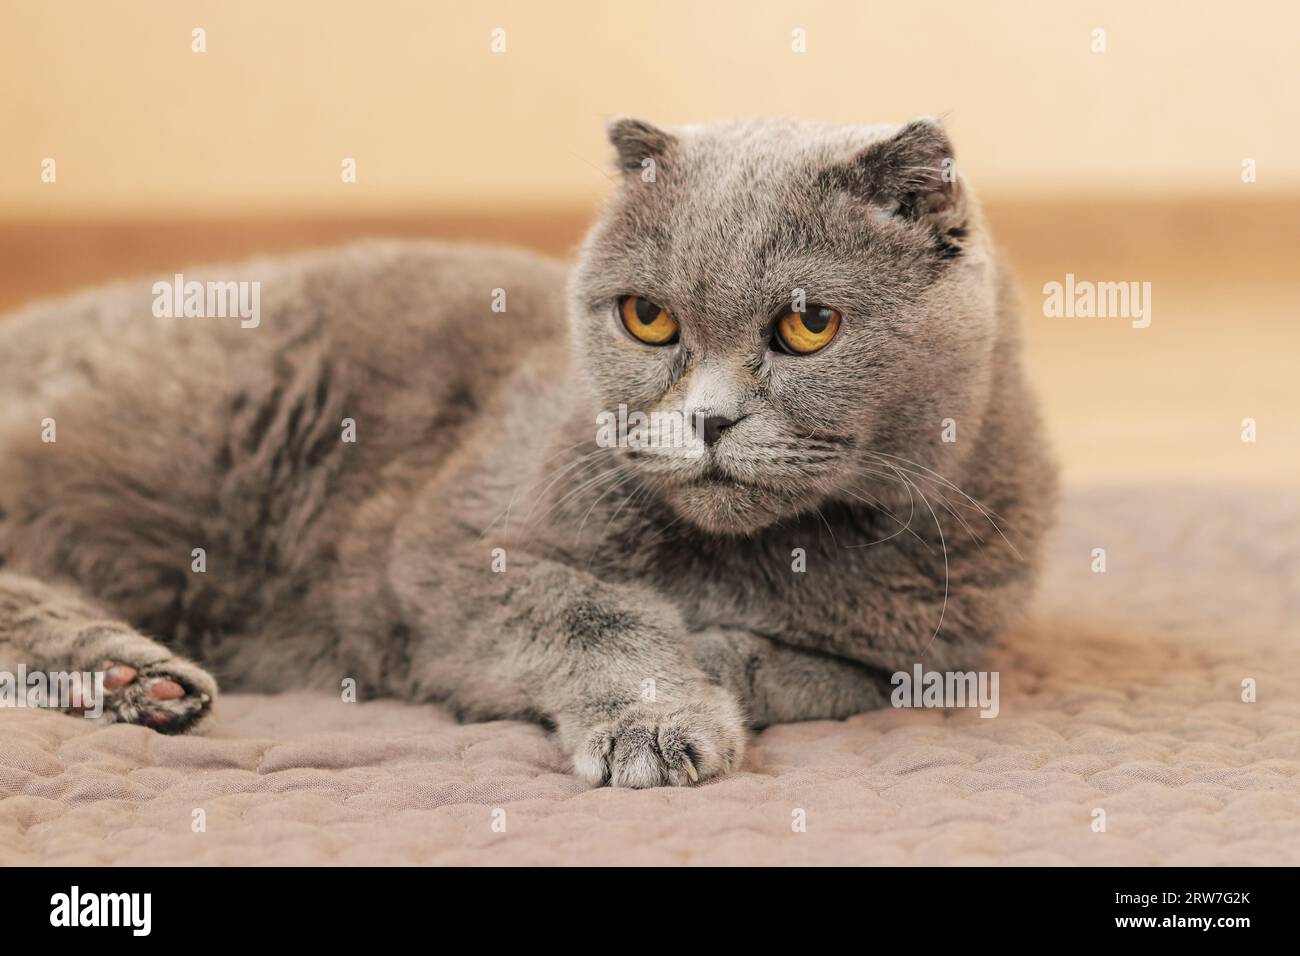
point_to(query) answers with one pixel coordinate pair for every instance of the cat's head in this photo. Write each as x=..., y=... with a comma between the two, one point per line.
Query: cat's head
x=803, y=298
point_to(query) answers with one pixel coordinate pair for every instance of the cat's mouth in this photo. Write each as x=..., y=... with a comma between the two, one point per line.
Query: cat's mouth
x=728, y=494
x=709, y=473
x=713, y=476
x=718, y=501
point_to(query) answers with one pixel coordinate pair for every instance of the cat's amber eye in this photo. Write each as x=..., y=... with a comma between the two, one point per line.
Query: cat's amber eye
x=802, y=333
x=647, y=322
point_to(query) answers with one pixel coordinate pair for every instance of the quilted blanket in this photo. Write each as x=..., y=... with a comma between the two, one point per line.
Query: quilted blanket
x=1149, y=714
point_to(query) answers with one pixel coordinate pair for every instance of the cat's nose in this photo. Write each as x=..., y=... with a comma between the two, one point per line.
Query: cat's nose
x=713, y=426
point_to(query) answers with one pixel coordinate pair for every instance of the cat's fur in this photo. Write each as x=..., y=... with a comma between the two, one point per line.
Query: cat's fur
x=650, y=605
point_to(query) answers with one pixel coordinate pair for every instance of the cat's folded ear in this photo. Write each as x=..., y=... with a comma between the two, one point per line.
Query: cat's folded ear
x=635, y=141
x=912, y=174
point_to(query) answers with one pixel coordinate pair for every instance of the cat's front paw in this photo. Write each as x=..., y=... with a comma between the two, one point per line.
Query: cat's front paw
x=655, y=745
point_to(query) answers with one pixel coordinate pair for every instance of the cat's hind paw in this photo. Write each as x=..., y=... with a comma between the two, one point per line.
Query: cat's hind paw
x=171, y=696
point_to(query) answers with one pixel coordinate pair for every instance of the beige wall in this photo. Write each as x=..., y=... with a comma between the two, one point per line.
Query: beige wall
x=140, y=125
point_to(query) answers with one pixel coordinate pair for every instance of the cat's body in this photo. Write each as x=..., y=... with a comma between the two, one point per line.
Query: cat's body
x=474, y=543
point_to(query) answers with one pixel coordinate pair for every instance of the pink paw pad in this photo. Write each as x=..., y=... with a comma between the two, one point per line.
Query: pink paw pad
x=117, y=676
x=164, y=689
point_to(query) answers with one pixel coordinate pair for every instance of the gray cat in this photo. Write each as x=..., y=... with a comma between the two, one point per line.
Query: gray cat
x=404, y=471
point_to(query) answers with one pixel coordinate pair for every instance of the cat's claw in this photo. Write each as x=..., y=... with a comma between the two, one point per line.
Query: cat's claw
x=654, y=745
x=690, y=770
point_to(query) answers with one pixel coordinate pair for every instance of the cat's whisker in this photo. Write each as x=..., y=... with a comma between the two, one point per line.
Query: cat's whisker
x=582, y=466
x=663, y=530
x=520, y=486
x=582, y=460
x=828, y=527
x=921, y=471
x=583, y=486
x=627, y=475
x=628, y=498
x=943, y=610
x=879, y=505
x=946, y=502
x=640, y=490
x=947, y=505
x=932, y=475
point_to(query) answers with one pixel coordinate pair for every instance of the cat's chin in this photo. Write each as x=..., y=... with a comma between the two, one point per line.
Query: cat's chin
x=722, y=506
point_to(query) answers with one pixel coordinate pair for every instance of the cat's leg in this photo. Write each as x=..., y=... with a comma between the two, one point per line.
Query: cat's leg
x=54, y=630
x=605, y=664
x=777, y=683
